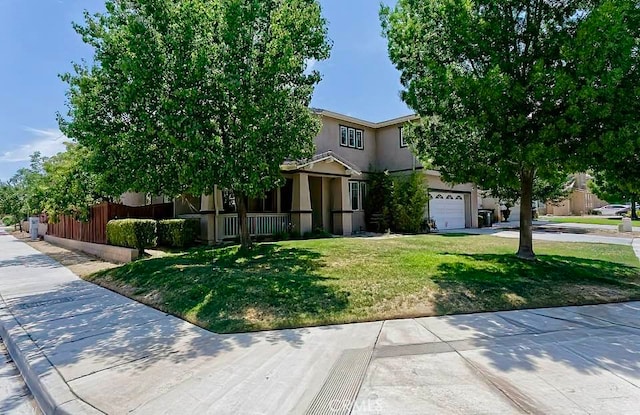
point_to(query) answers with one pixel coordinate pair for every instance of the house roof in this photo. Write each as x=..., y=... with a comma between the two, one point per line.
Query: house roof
x=374, y=125
x=328, y=157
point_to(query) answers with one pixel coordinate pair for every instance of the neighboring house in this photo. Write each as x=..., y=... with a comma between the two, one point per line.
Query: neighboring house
x=497, y=207
x=328, y=190
x=581, y=200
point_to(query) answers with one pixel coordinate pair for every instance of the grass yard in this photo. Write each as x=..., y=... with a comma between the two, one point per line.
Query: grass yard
x=326, y=281
x=591, y=220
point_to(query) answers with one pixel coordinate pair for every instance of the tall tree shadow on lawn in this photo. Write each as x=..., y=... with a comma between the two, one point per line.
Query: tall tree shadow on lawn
x=490, y=282
x=227, y=291
x=584, y=339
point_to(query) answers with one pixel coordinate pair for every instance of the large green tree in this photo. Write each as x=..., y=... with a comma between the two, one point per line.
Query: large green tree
x=182, y=96
x=69, y=187
x=619, y=185
x=23, y=194
x=510, y=91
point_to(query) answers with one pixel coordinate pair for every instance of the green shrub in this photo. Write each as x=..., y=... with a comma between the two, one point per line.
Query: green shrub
x=132, y=233
x=281, y=236
x=317, y=233
x=397, y=203
x=178, y=233
x=378, y=202
x=409, y=203
x=9, y=220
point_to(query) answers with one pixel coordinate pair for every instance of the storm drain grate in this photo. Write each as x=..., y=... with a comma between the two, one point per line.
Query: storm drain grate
x=338, y=393
x=54, y=301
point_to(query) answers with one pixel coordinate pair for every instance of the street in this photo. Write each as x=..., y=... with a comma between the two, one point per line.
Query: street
x=15, y=398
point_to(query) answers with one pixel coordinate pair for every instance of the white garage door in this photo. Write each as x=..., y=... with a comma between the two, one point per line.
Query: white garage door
x=447, y=209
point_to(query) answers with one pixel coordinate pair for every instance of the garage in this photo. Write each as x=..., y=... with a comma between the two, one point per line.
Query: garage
x=447, y=209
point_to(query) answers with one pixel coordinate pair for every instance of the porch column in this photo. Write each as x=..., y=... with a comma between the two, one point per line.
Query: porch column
x=219, y=207
x=342, y=213
x=208, y=218
x=326, y=204
x=301, y=213
x=474, y=207
x=278, y=200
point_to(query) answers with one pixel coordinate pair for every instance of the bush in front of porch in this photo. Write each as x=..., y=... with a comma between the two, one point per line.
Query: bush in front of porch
x=396, y=203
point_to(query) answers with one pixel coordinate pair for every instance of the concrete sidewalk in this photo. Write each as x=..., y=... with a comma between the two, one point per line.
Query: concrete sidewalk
x=503, y=232
x=612, y=227
x=568, y=237
x=83, y=349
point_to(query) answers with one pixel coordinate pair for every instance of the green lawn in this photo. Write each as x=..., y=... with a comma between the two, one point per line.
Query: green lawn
x=314, y=282
x=592, y=220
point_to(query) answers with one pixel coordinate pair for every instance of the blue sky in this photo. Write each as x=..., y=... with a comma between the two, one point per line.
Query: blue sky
x=37, y=43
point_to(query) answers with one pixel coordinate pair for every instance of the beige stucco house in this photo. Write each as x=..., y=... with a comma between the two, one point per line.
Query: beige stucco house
x=581, y=201
x=327, y=191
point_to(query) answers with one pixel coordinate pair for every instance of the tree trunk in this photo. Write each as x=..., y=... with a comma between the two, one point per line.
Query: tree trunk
x=634, y=212
x=525, y=249
x=241, y=205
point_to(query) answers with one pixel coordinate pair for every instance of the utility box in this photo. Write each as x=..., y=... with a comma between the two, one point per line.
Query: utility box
x=625, y=226
x=34, y=221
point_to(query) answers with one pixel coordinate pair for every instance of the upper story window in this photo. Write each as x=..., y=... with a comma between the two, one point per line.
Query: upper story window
x=351, y=137
x=403, y=142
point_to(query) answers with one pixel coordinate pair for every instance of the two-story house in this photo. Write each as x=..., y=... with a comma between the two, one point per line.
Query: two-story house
x=328, y=190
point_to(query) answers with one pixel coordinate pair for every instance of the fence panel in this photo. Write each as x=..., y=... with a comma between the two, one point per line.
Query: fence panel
x=95, y=230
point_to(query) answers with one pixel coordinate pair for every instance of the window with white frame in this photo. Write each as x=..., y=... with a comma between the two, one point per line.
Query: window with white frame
x=359, y=139
x=351, y=137
x=363, y=194
x=357, y=193
x=344, y=136
x=403, y=141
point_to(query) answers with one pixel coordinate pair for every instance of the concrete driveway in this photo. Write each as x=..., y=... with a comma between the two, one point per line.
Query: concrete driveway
x=86, y=350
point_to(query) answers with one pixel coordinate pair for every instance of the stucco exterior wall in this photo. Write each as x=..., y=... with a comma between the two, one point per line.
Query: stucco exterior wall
x=561, y=209
x=435, y=182
x=133, y=199
x=358, y=221
x=389, y=155
x=329, y=140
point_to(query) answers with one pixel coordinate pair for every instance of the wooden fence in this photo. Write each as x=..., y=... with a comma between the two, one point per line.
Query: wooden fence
x=95, y=230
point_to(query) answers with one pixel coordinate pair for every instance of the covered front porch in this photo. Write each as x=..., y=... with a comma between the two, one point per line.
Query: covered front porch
x=315, y=196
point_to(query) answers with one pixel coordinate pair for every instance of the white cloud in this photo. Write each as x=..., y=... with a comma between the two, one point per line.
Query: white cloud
x=48, y=142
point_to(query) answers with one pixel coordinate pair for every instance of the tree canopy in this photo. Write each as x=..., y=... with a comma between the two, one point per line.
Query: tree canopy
x=69, y=188
x=514, y=91
x=182, y=96
x=54, y=185
x=23, y=195
x=619, y=186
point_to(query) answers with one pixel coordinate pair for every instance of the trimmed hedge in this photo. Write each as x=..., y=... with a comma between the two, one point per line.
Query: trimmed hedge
x=132, y=233
x=178, y=233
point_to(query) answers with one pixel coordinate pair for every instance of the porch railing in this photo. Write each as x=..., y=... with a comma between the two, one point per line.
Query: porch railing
x=260, y=224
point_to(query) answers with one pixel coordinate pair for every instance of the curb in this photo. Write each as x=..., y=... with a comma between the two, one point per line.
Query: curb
x=52, y=394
